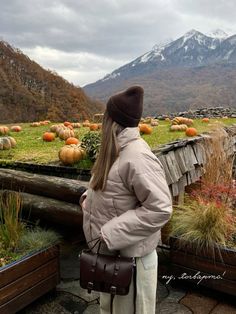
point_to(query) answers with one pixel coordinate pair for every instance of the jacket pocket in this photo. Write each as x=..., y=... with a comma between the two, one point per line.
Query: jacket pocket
x=149, y=261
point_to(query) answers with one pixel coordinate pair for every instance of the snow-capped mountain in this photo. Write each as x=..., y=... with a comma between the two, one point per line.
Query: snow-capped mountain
x=193, y=50
x=218, y=33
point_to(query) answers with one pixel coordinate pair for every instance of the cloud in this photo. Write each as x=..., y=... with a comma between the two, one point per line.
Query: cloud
x=78, y=68
x=85, y=39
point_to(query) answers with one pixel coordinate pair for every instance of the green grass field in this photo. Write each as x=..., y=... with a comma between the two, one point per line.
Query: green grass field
x=31, y=148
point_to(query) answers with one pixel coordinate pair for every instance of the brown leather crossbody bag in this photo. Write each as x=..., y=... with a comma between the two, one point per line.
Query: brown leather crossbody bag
x=105, y=273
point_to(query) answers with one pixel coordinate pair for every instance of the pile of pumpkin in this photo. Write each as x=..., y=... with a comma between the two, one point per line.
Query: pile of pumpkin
x=72, y=152
x=7, y=142
x=39, y=123
x=183, y=124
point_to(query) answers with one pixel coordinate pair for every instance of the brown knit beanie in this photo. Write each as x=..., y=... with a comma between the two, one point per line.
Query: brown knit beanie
x=126, y=107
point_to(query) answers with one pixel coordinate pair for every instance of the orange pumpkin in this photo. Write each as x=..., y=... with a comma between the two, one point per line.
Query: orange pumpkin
x=145, y=129
x=93, y=127
x=206, y=120
x=66, y=123
x=70, y=154
x=182, y=120
x=48, y=136
x=16, y=128
x=43, y=122
x=191, y=132
x=4, y=130
x=72, y=140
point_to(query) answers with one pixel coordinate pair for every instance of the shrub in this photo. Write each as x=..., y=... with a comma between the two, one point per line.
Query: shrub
x=91, y=141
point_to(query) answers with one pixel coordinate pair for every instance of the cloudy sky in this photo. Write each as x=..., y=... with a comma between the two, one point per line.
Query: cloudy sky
x=83, y=40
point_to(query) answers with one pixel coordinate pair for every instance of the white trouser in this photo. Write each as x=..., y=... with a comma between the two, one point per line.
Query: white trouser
x=146, y=285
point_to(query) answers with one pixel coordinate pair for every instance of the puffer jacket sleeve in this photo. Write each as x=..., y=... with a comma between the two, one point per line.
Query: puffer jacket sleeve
x=152, y=192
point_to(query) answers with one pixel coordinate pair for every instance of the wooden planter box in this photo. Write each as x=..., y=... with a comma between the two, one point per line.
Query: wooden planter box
x=25, y=280
x=218, y=267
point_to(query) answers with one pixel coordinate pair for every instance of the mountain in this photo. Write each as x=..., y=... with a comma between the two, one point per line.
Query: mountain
x=195, y=69
x=30, y=93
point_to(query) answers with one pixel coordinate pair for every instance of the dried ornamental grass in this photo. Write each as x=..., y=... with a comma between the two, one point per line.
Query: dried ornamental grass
x=16, y=238
x=11, y=226
x=207, y=218
x=219, y=165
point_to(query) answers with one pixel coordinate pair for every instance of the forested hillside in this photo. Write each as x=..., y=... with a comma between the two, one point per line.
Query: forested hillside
x=28, y=92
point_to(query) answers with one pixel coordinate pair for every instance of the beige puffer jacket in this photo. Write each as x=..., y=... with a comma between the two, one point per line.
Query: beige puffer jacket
x=135, y=204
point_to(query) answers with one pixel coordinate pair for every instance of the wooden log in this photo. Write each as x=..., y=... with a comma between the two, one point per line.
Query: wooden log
x=54, y=187
x=52, y=210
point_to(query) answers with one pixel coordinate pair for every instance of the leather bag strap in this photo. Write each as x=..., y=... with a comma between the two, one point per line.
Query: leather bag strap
x=135, y=286
x=135, y=290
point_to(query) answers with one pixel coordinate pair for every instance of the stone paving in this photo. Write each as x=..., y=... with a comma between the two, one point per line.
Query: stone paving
x=70, y=298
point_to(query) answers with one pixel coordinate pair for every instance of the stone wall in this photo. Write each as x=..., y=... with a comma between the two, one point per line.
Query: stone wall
x=216, y=112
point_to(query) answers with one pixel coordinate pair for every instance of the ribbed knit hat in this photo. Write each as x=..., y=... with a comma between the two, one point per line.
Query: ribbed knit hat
x=126, y=107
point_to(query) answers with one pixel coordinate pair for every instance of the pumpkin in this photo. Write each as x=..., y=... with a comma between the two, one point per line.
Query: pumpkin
x=145, y=129
x=35, y=124
x=72, y=140
x=43, y=122
x=55, y=128
x=182, y=120
x=93, y=127
x=154, y=122
x=64, y=134
x=180, y=127
x=66, y=123
x=4, y=130
x=206, y=120
x=7, y=142
x=70, y=154
x=76, y=125
x=147, y=120
x=86, y=123
x=16, y=128
x=48, y=136
x=191, y=132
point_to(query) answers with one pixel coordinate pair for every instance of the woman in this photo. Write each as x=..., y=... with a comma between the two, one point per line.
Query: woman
x=128, y=200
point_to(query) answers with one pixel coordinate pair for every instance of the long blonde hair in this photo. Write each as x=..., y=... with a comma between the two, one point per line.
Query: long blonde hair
x=108, y=153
